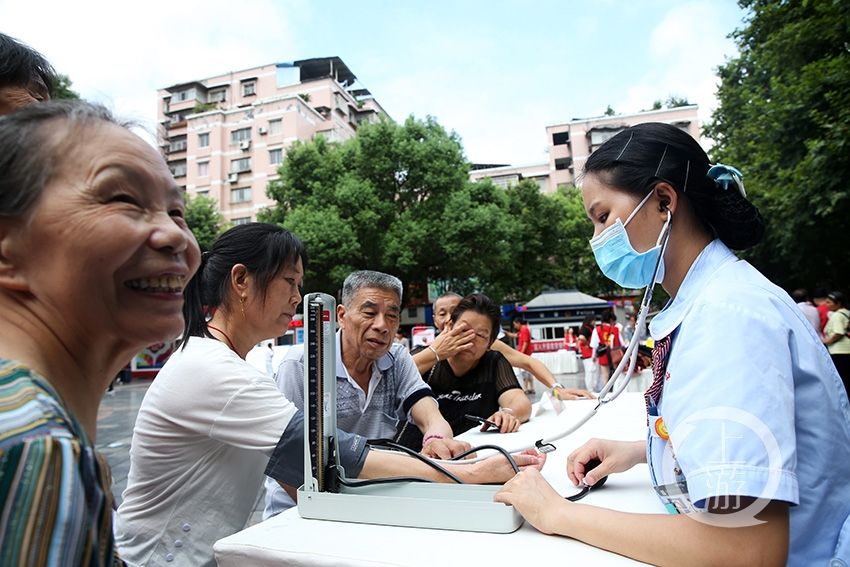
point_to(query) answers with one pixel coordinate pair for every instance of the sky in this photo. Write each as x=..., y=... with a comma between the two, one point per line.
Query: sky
x=495, y=72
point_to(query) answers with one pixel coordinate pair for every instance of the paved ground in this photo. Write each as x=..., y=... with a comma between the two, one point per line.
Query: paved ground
x=118, y=414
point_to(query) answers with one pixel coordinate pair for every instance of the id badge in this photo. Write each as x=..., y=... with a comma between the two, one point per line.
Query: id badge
x=675, y=497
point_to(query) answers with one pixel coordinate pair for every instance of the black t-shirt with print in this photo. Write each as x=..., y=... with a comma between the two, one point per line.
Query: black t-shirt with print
x=476, y=393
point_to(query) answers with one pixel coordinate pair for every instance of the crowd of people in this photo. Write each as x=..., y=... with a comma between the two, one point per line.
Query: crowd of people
x=97, y=261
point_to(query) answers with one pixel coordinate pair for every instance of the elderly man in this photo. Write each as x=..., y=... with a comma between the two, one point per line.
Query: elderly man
x=25, y=75
x=378, y=384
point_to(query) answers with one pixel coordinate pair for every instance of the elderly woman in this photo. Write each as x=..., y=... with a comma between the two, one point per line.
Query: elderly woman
x=211, y=423
x=94, y=253
x=475, y=381
x=454, y=339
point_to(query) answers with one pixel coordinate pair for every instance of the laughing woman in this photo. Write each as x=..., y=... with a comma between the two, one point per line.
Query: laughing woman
x=90, y=217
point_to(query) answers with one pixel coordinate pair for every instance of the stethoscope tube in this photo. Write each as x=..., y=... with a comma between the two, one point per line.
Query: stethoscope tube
x=618, y=379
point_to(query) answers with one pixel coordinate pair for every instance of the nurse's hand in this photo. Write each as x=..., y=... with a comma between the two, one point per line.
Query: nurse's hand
x=615, y=456
x=533, y=498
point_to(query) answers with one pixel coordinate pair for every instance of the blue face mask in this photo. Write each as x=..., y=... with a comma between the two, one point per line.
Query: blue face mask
x=620, y=262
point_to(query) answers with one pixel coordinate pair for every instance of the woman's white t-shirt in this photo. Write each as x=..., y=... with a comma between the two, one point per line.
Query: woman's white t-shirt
x=203, y=435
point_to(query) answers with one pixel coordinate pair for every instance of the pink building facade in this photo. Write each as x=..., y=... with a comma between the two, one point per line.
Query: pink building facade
x=226, y=136
x=507, y=175
x=570, y=144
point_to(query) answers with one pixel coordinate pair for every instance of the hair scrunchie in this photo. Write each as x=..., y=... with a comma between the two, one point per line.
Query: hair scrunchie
x=727, y=178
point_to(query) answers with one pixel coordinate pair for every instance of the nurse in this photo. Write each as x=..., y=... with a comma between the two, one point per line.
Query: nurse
x=748, y=441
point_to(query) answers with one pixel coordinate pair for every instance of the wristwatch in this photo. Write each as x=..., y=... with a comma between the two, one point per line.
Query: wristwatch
x=554, y=387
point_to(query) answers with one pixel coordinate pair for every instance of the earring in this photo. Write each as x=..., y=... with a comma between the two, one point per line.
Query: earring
x=242, y=305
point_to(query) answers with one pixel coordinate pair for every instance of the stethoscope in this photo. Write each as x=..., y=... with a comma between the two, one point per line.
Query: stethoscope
x=619, y=380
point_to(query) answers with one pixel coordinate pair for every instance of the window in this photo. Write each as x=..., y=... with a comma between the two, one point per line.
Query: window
x=176, y=118
x=177, y=144
x=217, y=95
x=249, y=88
x=240, y=165
x=204, y=193
x=203, y=168
x=178, y=168
x=276, y=156
x=204, y=140
x=275, y=126
x=240, y=195
x=240, y=135
x=240, y=220
x=560, y=138
x=599, y=136
x=563, y=163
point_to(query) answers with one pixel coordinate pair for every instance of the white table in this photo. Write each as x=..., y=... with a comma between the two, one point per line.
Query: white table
x=559, y=361
x=288, y=539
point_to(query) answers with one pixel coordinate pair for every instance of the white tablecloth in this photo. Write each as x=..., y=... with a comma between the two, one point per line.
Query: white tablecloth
x=288, y=539
x=559, y=361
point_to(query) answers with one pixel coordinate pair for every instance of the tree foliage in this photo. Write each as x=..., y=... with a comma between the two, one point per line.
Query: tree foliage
x=784, y=120
x=204, y=220
x=62, y=88
x=397, y=198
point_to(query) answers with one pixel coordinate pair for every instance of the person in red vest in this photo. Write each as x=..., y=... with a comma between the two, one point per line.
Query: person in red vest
x=523, y=345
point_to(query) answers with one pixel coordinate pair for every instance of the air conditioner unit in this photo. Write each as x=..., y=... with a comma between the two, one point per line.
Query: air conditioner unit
x=233, y=177
x=263, y=130
x=245, y=144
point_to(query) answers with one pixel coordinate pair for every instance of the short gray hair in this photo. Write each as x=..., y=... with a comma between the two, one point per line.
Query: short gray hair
x=367, y=278
x=30, y=155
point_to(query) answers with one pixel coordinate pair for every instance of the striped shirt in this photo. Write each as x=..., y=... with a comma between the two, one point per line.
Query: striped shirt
x=55, y=489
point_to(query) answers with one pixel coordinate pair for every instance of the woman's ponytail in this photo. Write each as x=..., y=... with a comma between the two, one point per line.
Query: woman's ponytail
x=721, y=203
x=194, y=317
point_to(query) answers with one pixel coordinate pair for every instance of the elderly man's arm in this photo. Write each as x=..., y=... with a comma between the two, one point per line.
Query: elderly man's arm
x=286, y=462
x=437, y=437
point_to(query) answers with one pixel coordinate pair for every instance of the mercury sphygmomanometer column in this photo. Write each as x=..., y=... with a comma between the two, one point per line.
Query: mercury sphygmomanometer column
x=323, y=496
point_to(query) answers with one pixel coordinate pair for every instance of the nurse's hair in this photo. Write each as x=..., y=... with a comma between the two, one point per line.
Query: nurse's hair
x=640, y=156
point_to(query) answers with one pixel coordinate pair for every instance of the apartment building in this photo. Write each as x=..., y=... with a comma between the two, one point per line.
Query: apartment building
x=570, y=144
x=506, y=175
x=226, y=136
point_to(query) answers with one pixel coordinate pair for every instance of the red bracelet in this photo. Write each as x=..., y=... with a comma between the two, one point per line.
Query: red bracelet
x=430, y=437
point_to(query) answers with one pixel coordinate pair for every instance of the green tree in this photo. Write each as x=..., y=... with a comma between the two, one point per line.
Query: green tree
x=383, y=194
x=575, y=266
x=397, y=198
x=784, y=119
x=204, y=220
x=62, y=88
x=674, y=101
x=609, y=111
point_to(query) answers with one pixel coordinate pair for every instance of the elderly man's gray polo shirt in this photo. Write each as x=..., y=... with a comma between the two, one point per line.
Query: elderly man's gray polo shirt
x=394, y=387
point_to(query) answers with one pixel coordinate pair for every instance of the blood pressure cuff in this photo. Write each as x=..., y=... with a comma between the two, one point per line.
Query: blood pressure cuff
x=286, y=463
